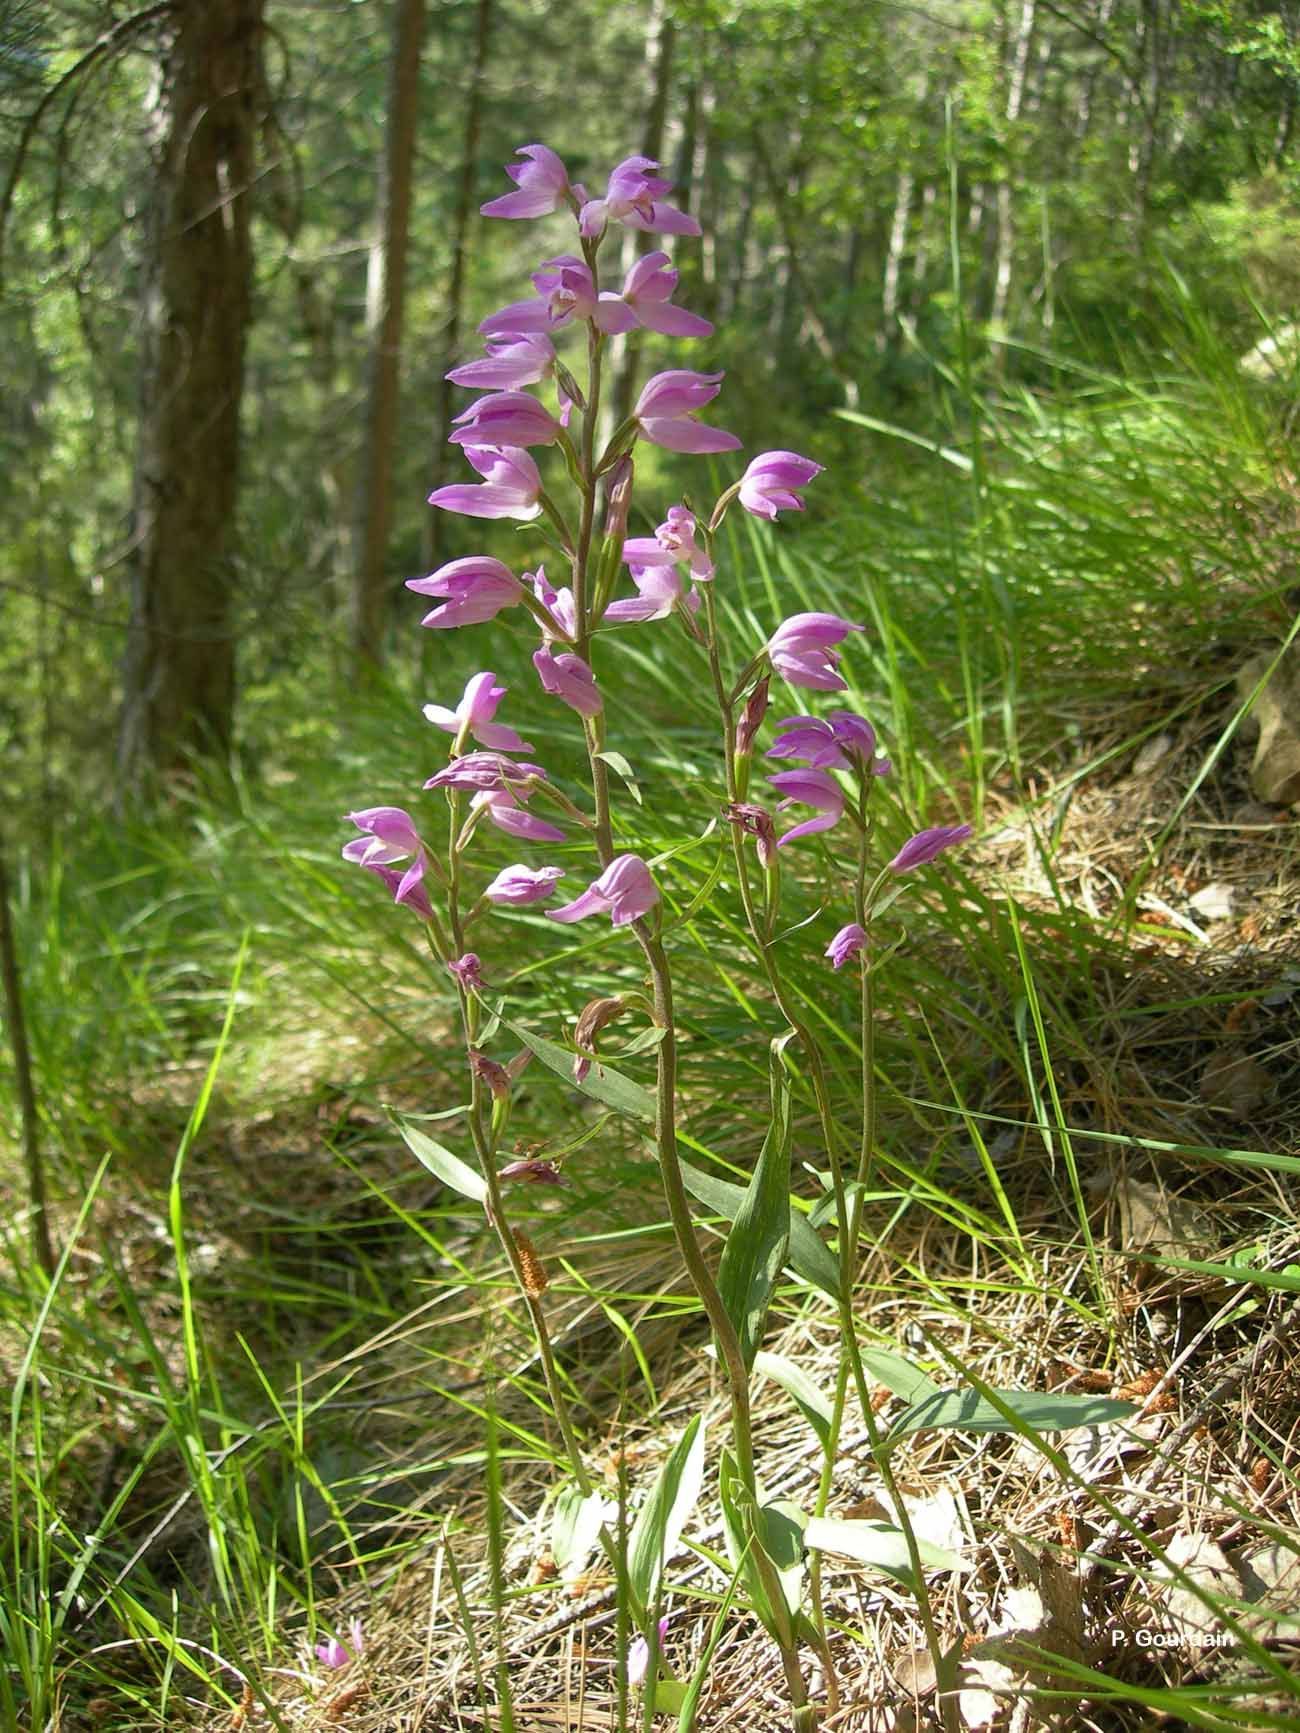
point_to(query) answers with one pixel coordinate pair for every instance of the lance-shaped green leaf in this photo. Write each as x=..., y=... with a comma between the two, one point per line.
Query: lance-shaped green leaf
x=807, y=1398
x=601, y=1083
x=660, y=1520
x=449, y=1168
x=899, y=1375
x=760, y=1230
x=575, y=1528
x=878, y=1544
x=766, y=1542
x=1029, y=1411
x=808, y=1256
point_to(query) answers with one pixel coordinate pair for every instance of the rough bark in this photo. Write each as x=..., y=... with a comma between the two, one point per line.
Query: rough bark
x=435, y=521
x=386, y=306
x=38, y=1204
x=179, y=674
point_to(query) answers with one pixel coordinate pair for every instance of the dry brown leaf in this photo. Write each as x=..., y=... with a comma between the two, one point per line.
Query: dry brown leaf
x=1153, y=1220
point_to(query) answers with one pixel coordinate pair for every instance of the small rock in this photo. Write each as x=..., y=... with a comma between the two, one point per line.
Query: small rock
x=1215, y=902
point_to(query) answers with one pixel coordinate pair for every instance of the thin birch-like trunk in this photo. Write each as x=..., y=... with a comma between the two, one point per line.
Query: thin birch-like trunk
x=435, y=521
x=385, y=310
x=1006, y=225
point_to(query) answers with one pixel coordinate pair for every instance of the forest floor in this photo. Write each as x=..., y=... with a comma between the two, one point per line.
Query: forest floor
x=1190, y=1018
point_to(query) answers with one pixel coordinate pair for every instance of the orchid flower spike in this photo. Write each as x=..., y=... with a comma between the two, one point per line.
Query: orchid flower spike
x=624, y=891
x=542, y=185
x=846, y=943
x=473, y=716
x=664, y=409
x=511, y=486
x=926, y=844
x=803, y=650
x=817, y=788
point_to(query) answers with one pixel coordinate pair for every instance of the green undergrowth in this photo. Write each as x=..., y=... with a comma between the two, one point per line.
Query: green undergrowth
x=266, y=1329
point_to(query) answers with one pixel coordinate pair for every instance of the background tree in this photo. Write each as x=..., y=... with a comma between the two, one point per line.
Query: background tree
x=179, y=675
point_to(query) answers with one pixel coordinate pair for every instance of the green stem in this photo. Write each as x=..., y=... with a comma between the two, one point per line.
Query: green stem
x=847, y=1223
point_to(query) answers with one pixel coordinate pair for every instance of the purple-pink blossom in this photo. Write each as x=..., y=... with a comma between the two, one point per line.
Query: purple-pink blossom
x=511, y=485
x=473, y=716
x=502, y=806
x=768, y=485
x=510, y=418
x=926, y=844
x=645, y=299
x=803, y=650
x=468, y=970
x=473, y=590
x=542, y=185
x=664, y=409
x=625, y=891
x=565, y=675
x=840, y=741
x=673, y=543
x=517, y=886
x=634, y=195
x=559, y=604
x=511, y=361
x=816, y=788
x=661, y=589
x=846, y=943
x=638, y=1655
x=565, y=290
x=389, y=836
x=534, y=1170
x=481, y=771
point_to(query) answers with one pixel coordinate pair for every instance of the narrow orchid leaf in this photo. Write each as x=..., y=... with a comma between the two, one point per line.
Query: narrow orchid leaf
x=808, y=1256
x=601, y=1083
x=799, y=1387
x=660, y=1520
x=878, y=1544
x=968, y=1411
x=759, y=1241
x=449, y=1168
x=617, y=762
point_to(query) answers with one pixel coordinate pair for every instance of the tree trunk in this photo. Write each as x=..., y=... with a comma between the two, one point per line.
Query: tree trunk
x=661, y=38
x=386, y=305
x=1006, y=229
x=179, y=673
x=435, y=521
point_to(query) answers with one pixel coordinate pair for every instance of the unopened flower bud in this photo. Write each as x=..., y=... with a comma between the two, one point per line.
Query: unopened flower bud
x=618, y=497
x=751, y=718
x=569, y=386
x=490, y=1072
x=593, y=1018
x=757, y=822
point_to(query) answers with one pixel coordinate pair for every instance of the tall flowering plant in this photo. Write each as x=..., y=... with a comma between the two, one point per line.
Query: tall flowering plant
x=604, y=583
